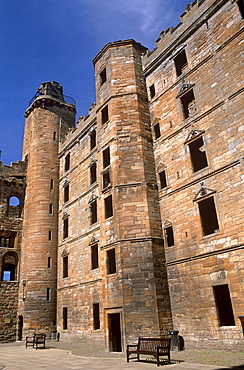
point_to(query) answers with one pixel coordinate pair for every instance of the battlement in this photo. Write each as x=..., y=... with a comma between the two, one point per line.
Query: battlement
x=15, y=169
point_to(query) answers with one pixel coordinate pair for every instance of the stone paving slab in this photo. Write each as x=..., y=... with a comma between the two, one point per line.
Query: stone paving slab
x=20, y=358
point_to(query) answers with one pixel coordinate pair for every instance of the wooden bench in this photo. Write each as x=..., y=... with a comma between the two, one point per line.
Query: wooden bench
x=37, y=340
x=150, y=346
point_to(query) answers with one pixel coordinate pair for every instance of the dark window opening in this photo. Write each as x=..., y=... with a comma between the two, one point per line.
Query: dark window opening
x=14, y=207
x=93, y=212
x=152, y=91
x=198, y=155
x=188, y=103
x=7, y=242
x=65, y=228
x=51, y=184
x=106, y=157
x=111, y=261
x=93, y=173
x=49, y=262
x=65, y=266
x=106, y=179
x=50, y=235
x=108, y=206
x=66, y=193
x=9, y=272
x=162, y=179
x=65, y=318
x=157, y=131
x=50, y=209
x=54, y=136
x=104, y=114
x=180, y=62
x=240, y=4
x=94, y=256
x=96, y=318
x=114, y=332
x=224, y=306
x=103, y=76
x=67, y=162
x=169, y=235
x=208, y=216
x=93, y=140
x=48, y=294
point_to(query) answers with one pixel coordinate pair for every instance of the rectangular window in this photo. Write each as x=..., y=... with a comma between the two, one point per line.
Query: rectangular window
x=111, y=261
x=94, y=256
x=180, y=62
x=208, y=216
x=104, y=113
x=106, y=179
x=108, y=206
x=240, y=4
x=223, y=305
x=162, y=179
x=103, y=76
x=93, y=207
x=106, y=157
x=169, y=235
x=49, y=262
x=66, y=193
x=67, y=162
x=50, y=235
x=93, y=139
x=65, y=318
x=65, y=266
x=157, y=133
x=50, y=209
x=198, y=155
x=54, y=136
x=51, y=184
x=188, y=103
x=65, y=228
x=93, y=173
x=48, y=294
x=152, y=91
x=96, y=318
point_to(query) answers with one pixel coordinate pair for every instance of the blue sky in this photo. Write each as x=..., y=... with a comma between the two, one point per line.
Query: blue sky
x=56, y=40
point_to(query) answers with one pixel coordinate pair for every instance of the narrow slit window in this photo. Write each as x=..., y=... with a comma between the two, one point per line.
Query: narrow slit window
x=188, y=103
x=67, y=162
x=65, y=266
x=93, y=211
x=103, y=76
x=157, y=133
x=49, y=234
x=108, y=206
x=106, y=157
x=106, y=179
x=96, y=316
x=49, y=262
x=65, y=318
x=48, y=294
x=152, y=91
x=223, y=305
x=65, y=228
x=94, y=256
x=180, y=62
x=54, y=136
x=208, y=216
x=93, y=139
x=51, y=184
x=104, y=113
x=93, y=173
x=66, y=193
x=162, y=179
x=50, y=209
x=169, y=236
x=198, y=155
x=111, y=261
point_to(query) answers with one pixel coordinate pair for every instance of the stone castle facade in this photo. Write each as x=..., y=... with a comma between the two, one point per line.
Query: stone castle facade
x=130, y=222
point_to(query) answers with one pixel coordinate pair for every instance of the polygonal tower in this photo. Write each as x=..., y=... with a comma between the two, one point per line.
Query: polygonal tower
x=48, y=118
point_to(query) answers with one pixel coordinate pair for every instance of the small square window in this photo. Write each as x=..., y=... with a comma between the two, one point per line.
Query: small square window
x=157, y=131
x=104, y=113
x=65, y=228
x=103, y=76
x=96, y=318
x=162, y=179
x=93, y=139
x=94, y=256
x=111, y=261
x=67, y=162
x=180, y=62
x=65, y=266
x=108, y=206
x=106, y=157
x=152, y=91
x=93, y=173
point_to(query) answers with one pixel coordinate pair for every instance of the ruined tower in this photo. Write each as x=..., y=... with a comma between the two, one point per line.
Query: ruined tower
x=48, y=118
